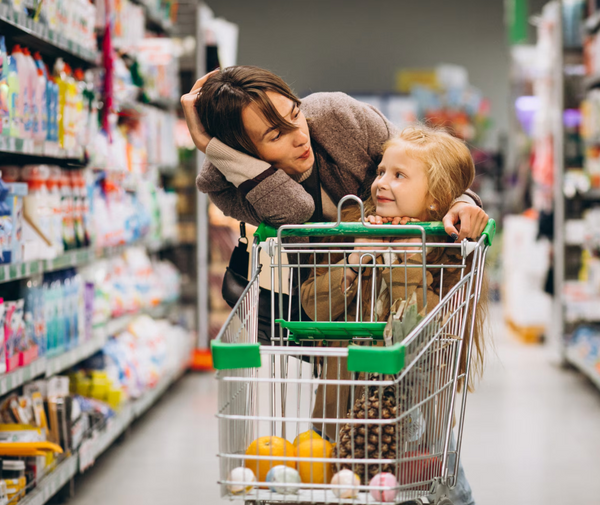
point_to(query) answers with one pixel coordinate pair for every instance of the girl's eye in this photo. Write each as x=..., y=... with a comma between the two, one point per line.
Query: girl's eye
x=380, y=173
x=297, y=114
x=399, y=175
x=277, y=137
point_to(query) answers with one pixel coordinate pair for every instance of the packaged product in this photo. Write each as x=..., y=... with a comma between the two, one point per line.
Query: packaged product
x=4, y=109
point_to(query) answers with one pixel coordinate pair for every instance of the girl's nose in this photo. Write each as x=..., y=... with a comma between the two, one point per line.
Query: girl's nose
x=382, y=182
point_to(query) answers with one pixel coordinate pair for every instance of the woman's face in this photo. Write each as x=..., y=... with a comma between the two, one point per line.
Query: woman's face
x=290, y=152
x=401, y=188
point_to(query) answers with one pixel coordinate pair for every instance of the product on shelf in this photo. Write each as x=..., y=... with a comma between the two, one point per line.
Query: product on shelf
x=132, y=362
x=132, y=282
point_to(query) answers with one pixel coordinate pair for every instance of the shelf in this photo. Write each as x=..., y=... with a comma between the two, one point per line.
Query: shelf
x=52, y=365
x=91, y=449
x=119, y=324
x=116, y=426
x=39, y=37
x=163, y=104
x=573, y=357
x=52, y=483
x=21, y=375
x=75, y=258
x=83, y=351
x=38, y=151
x=154, y=20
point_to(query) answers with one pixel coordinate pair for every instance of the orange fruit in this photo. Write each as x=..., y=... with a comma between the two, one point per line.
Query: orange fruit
x=273, y=447
x=316, y=472
x=307, y=435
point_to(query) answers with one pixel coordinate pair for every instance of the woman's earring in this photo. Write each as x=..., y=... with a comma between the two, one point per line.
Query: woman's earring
x=432, y=207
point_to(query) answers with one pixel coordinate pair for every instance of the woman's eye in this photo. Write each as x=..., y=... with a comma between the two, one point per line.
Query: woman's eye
x=399, y=175
x=277, y=137
x=297, y=114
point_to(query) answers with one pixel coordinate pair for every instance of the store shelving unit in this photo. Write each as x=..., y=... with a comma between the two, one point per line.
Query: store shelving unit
x=41, y=38
x=568, y=206
x=51, y=365
x=18, y=27
x=93, y=448
x=29, y=151
x=154, y=21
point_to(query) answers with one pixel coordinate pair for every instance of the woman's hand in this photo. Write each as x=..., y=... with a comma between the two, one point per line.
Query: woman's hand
x=471, y=221
x=188, y=102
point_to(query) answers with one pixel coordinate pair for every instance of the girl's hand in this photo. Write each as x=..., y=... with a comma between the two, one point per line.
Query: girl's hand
x=468, y=218
x=188, y=102
x=392, y=220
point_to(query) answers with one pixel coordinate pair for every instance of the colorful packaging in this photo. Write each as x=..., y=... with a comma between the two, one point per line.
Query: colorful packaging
x=6, y=232
x=18, y=191
x=2, y=340
x=14, y=98
x=4, y=109
x=10, y=335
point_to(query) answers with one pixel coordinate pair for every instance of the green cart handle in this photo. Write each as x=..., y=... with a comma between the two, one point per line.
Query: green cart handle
x=266, y=231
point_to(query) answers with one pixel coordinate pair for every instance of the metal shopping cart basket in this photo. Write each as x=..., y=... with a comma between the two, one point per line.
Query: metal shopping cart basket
x=365, y=380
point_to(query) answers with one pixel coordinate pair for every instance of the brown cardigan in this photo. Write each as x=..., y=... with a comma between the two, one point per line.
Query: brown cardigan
x=347, y=137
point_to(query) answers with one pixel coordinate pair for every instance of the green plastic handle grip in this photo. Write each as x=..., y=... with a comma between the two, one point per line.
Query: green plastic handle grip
x=266, y=231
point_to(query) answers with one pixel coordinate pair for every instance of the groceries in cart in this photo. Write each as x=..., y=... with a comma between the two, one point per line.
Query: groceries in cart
x=364, y=379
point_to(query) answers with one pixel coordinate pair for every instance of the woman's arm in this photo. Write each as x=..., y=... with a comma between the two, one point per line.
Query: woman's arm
x=276, y=199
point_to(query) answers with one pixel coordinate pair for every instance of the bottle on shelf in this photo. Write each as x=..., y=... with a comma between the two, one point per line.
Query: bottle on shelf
x=5, y=224
x=24, y=99
x=14, y=98
x=62, y=108
x=55, y=204
x=32, y=107
x=36, y=206
x=66, y=198
x=40, y=131
x=4, y=109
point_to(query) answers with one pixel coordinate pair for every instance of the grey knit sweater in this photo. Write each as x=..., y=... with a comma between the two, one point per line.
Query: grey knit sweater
x=347, y=138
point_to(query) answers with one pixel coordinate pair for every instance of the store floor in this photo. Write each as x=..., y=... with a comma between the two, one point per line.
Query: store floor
x=532, y=437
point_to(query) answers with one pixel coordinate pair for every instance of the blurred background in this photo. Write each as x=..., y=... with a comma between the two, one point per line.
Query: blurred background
x=112, y=262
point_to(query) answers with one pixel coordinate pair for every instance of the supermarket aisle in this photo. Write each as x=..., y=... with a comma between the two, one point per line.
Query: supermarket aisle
x=531, y=438
x=168, y=457
x=531, y=431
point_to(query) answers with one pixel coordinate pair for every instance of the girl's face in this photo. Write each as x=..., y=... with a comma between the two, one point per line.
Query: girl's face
x=289, y=152
x=401, y=188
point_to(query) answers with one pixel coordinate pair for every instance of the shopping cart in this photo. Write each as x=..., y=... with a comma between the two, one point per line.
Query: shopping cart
x=359, y=395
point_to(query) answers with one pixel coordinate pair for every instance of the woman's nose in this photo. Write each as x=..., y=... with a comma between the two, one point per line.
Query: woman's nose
x=300, y=138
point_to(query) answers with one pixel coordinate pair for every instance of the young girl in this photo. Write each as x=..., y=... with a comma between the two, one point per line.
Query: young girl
x=421, y=172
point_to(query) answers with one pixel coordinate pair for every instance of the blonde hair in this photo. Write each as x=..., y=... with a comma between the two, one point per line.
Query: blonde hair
x=450, y=172
x=448, y=163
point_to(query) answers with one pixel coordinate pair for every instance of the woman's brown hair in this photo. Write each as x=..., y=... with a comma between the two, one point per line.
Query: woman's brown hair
x=225, y=95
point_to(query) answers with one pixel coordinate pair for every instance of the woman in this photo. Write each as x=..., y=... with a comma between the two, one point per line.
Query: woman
x=271, y=157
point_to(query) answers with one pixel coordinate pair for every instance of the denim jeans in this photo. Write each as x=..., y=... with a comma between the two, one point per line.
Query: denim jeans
x=461, y=494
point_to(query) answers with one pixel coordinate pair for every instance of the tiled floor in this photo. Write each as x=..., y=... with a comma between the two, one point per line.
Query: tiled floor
x=532, y=437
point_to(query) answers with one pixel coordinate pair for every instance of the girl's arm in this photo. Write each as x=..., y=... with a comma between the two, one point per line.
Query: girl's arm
x=335, y=286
